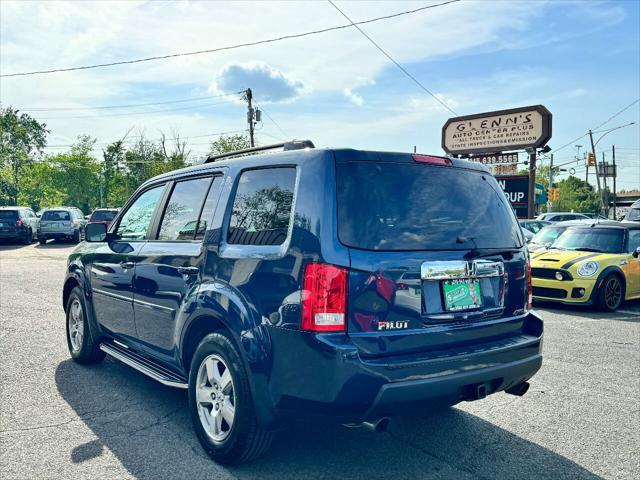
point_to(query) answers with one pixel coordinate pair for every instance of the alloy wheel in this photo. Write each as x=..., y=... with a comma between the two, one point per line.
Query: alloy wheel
x=613, y=293
x=76, y=325
x=215, y=397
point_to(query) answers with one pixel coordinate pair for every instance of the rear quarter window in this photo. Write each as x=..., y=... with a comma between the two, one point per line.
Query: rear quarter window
x=262, y=207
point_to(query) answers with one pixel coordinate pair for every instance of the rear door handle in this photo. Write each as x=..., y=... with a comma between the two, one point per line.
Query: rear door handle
x=188, y=270
x=127, y=265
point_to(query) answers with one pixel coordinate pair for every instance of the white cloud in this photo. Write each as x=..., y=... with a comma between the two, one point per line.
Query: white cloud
x=354, y=97
x=269, y=83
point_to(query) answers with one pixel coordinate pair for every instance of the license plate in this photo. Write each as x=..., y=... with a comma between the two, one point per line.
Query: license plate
x=461, y=294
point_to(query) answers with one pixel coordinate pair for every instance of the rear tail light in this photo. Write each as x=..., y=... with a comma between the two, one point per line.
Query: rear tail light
x=19, y=223
x=402, y=286
x=324, y=298
x=529, y=287
x=433, y=160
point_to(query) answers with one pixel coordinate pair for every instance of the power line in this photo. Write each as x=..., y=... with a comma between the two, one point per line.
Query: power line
x=47, y=109
x=230, y=47
x=402, y=69
x=602, y=124
x=616, y=114
x=132, y=142
x=192, y=107
x=273, y=121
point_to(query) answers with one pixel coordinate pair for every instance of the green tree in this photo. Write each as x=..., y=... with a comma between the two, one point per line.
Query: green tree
x=229, y=143
x=577, y=195
x=22, y=139
x=77, y=174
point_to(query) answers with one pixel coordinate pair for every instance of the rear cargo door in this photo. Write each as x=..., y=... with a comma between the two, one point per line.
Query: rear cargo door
x=437, y=258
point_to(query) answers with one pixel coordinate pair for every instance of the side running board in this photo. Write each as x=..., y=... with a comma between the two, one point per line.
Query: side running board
x=144, y=365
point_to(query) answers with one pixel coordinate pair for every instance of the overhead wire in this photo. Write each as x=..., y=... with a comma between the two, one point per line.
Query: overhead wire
x=386, y=54
x=229, y=47
x=194, y=99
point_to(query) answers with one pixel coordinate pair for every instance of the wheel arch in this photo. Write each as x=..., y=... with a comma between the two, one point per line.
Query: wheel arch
x=69, y=284
x=220, y=308
x=195, y=331
x=611, y=269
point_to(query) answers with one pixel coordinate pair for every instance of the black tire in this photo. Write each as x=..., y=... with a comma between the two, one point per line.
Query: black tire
x=85, y=350
x=76, y=236
x=244, y=440
x=43, y=241
x=610, y=295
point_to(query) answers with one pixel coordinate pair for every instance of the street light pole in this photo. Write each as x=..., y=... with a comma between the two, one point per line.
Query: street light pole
x=531, y=204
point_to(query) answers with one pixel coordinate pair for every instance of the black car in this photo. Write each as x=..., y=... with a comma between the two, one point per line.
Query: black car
x=310, y=283
x=18, y=224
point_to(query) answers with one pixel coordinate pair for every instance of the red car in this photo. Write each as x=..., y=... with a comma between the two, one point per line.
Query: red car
x=103, y=215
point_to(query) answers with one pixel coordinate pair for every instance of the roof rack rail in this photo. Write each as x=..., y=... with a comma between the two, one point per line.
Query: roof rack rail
x=291, y=145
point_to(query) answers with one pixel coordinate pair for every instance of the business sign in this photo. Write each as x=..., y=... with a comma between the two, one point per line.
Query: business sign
x=495, y=158
x=516, y=189
x=606, y=169
x=514, y=129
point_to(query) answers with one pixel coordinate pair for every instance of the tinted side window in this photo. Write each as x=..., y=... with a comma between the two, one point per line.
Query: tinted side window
x=262, y=207
x=181, y=214
x=209, y=206
x=136, y=220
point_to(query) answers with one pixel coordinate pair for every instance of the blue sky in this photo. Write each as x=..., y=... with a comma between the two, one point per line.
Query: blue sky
x=580, y=59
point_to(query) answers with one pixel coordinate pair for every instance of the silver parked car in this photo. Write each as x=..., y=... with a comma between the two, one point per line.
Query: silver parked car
x=554, y=217
x=62, y=223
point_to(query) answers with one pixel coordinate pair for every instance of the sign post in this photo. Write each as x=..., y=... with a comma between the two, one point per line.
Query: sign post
x=531, y=206
x=525, y=128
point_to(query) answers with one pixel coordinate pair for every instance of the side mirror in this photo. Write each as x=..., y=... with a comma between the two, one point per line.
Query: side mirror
x=636, y=254
x=95, y=232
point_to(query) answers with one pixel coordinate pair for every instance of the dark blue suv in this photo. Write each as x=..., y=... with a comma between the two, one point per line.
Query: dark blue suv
x=310, y=283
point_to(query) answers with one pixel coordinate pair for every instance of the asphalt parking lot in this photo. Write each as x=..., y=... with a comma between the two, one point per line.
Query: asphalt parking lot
x=580, y=419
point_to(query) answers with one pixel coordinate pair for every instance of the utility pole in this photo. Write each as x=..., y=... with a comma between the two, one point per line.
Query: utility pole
x=249, y=97
x=531, y=204
x=605, y=199
x=593, y=150
x=615, y=174
x=549, y=207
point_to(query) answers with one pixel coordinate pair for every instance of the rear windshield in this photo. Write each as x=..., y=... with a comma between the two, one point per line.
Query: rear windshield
x=399, y=206
x=606, y=240
x=60, y=215
x=8, y=215
x=103, y=216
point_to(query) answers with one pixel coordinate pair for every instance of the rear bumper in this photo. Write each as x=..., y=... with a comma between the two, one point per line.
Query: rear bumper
x=324, y=375
x=57, y=234
x=13, y=234
x=400, y=397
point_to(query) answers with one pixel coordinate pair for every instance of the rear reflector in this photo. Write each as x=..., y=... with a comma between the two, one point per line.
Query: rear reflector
x=433, y=160
x=324, y=298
